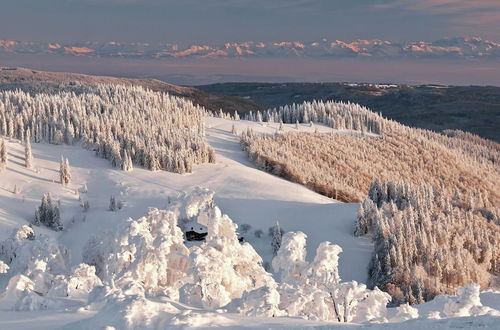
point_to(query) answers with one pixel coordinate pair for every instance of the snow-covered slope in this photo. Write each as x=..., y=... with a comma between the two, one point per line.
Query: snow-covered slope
x=246, y=194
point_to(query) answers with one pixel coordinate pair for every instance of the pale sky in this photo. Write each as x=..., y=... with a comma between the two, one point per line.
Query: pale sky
x=215, y=21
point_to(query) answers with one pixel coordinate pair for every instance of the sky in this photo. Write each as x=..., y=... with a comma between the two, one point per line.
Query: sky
x=187, y=22
x=215, y=21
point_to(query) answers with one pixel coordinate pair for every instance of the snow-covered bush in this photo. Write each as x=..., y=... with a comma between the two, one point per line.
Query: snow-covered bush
x=38, y=257
x=78, y=284
x=36, y=272
x=466, y=303
x=314, y=290
x=149, y=251
x=405, y=312
x=261, y=302
x=221, y=269
x=289, y=262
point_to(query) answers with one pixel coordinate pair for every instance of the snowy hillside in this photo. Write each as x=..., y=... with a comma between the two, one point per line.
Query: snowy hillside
x=247, y=195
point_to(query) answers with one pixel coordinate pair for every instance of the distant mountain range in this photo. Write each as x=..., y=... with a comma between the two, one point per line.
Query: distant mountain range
x=453, y=48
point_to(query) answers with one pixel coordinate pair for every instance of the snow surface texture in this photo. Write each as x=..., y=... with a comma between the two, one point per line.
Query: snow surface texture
x=54, y=289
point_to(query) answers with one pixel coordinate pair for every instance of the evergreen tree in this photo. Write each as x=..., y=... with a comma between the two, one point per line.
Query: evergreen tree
x=127, y=164
x=28, y=156
x=64, y=171
x=276, y=240
x=48, y=214
x=3, y=154
x=113, y=205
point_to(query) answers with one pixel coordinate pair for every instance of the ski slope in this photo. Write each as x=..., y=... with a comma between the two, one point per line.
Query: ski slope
x=247, y=194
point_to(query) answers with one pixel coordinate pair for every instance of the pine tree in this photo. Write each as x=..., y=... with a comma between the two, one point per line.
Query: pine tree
x=64, y=171
x=48, y=214
x=113, y=205
x=233, y=130
x=276, y=240
x=28, y=156
x=127, y=164
x=3, y=155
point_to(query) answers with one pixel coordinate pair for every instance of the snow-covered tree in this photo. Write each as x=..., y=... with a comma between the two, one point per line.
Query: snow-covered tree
x=338, y=115
x=127, y=164
x=289, y=262
x=222, y=269
x=28, y=155
x=3, y=154
x=406, y=223
x=113, y=205
x=315, y=291
x=276, y=238
x=147, y=253
x=64, y=171
x=48, y=214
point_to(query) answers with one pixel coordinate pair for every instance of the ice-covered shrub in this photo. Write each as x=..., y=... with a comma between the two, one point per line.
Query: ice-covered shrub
x=78, y=284
x=38, y=257
x=260, y=302
x=36, y=273
x=314, y=290
x=221, y=269
x=466, y=303
x=289, y=262
x=149, y=251
x=405, y=312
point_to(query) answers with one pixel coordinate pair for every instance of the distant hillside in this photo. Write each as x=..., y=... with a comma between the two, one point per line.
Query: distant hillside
x=31, y=80
x=470, y=108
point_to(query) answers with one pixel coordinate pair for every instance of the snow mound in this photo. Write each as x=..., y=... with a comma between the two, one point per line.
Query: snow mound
x=313, y=290
x=148, y=252
x=222, y=269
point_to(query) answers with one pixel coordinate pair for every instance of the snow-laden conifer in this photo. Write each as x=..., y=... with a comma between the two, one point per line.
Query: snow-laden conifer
x=276, y=238
x=28, y=155
x=3, y=154
x=64, y=171
x=48, y=214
